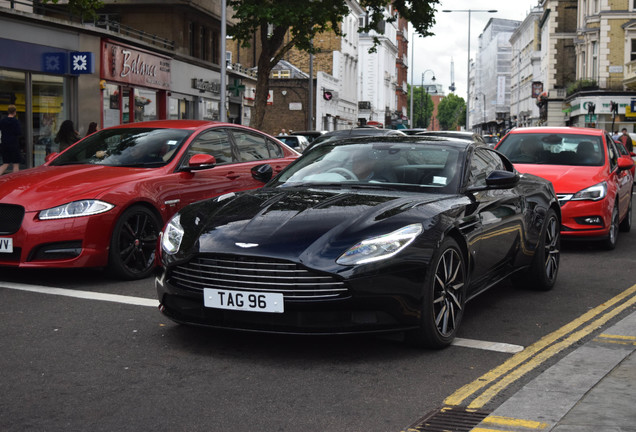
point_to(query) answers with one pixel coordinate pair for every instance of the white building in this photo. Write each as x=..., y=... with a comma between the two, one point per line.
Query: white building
x=526, y=82
x=378, y=74
x=490, y=100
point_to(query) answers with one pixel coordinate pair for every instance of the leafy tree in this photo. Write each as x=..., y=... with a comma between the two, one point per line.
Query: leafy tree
x=451, y=112
x=423, y=107
x=285, y=24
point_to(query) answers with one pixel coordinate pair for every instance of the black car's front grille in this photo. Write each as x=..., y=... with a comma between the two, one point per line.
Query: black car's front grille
x=256, y=274
x=10, y=218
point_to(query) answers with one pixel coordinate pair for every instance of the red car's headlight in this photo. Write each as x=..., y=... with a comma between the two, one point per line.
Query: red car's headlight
x=75, y=209
x=593, y=193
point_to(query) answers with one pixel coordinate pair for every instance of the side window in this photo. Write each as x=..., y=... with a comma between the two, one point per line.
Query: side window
x=251, y=146
x=215, y=142
x=275, y=150
x=482, y=164
x=613, y=155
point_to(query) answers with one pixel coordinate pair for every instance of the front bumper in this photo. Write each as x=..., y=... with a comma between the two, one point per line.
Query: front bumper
x=385, y=302
x=586, y=219
x=61, y=243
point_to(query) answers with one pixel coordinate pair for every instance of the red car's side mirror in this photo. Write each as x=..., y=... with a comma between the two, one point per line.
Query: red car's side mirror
x=625, y=163
x=200, y=161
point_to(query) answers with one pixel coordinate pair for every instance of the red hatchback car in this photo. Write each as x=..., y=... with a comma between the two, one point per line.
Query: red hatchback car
x=104, y=200
x=591, y=177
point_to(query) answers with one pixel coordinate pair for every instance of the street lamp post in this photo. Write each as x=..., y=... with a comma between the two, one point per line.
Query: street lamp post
x=468, y=61
x=424, y=100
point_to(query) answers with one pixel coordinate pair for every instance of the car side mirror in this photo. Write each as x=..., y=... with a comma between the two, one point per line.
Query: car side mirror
x=625, y=163
x=498, y=179
x=262, y=173
x=199, y=162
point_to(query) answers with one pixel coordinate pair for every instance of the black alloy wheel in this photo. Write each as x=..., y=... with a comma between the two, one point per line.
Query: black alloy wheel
x=134, y=243
x=545, y=264
x=612, y=236
x=444, y=298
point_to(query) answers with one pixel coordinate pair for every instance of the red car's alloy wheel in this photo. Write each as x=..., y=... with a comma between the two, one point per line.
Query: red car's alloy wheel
x=134, y=243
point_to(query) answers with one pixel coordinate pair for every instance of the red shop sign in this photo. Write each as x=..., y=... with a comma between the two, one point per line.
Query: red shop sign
x=128, y=65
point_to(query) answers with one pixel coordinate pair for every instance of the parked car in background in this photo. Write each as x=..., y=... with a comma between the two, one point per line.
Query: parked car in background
x=592, y=179
x=297, y=142
x=367, y=234
x=310, y=135
x=413, y=131
x=491, y=140
x=471, y=136
x=103, y=201
x=358, y=131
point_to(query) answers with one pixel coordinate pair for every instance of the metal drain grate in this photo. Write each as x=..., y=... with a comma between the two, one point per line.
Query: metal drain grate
x=449, y=419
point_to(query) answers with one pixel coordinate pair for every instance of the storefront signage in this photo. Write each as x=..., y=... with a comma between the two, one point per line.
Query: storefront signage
x=54, y=62
x=82, y=63
x=203, y=86
x=128, y=65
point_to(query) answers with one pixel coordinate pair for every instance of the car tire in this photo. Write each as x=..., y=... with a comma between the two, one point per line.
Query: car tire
x=626, y=224
x=443, y=300
x=133, y=245
x=544, y=269
x=612, y=237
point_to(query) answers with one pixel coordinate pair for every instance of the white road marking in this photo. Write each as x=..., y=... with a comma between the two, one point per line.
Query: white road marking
x=489, y=346
x=140, y=301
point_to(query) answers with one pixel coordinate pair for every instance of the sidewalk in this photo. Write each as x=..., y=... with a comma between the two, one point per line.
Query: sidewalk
x=593, y=389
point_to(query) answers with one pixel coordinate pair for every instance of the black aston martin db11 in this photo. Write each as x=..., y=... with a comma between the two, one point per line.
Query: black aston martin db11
x=372, y=234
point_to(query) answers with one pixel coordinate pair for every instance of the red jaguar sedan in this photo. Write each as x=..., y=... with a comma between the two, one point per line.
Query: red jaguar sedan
x=104, y=200
x=591, y=177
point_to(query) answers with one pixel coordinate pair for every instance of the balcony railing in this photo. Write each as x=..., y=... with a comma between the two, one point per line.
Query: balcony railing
x=101, y=21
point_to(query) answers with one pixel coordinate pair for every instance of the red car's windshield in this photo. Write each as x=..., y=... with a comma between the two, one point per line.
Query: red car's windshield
x=139, y=147
x=553, y=149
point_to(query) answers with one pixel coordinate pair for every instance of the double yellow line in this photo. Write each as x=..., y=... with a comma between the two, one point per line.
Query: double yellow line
x=486, y=387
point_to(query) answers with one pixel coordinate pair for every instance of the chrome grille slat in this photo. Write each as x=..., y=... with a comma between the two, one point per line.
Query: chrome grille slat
x=256, y=275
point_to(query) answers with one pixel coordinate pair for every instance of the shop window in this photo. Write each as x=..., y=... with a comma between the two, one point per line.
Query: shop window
x=145, y=105
x=12, y=92
x=111, y=105
x=48, y=114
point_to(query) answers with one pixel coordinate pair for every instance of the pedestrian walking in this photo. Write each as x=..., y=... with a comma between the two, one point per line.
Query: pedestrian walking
x=67, y=135
x=9, y=144
x=626, y=140
x=92, y=128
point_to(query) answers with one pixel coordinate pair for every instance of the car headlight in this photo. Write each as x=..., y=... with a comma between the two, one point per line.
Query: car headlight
x=593, y=193
x=75, y=209
x=380, y=247
x=172, y=235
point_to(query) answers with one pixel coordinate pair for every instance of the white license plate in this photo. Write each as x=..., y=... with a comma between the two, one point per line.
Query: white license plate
x=243, y=300
x=6, y=245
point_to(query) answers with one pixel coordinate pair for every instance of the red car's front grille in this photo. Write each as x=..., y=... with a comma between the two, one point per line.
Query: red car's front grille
x=10, y=218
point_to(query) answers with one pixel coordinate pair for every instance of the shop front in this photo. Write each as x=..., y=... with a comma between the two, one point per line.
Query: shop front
x=36, y=79
x=134, y=84
x=194, y=92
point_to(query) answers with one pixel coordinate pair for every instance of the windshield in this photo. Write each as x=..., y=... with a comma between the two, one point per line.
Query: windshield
x=137, y=147
x=553, y=149
x=392, y=165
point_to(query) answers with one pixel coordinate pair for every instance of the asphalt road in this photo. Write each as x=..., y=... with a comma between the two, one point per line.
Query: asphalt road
x=80, y=364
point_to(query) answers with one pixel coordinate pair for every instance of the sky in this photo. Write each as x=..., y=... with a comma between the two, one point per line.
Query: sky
x=450, y=42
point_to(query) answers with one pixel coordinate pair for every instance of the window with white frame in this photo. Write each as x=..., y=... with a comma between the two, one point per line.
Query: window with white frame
x=632, y=55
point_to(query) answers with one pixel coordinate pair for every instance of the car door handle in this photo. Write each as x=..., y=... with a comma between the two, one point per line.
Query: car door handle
x=232, y=175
